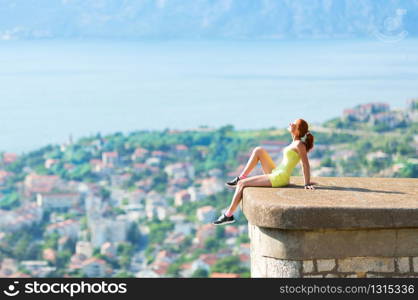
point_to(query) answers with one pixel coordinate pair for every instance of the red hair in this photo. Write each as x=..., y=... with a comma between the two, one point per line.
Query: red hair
x=301, y=129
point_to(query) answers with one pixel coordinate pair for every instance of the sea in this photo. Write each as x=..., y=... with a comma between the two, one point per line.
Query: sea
x=51, y=89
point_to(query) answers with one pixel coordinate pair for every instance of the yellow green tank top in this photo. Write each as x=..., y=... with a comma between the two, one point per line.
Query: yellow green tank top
x=289, y=162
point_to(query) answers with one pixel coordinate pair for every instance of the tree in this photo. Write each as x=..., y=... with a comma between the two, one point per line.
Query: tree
x=124, y=274
x=63, y=258
x=230, y=264
x=328, y=162
x=125, y=251
x=133, y=234
x=200, y=273
x=9, y=201
x=159, y=182
x=104, y=193
x=408, y=171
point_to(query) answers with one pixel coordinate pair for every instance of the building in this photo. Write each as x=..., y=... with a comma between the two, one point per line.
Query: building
x=211, y=186
x=338, y=155
x=140, y=167
x=274, y=148
x=76, y=261
x=8, y=267
x=49, y=254
x=180, y=170
x=139, y=153
x=35, y=183
x=108, y=249
x=231, y=231
x=50, y=162
x=144, y=184
x=195, y=194
x=9, y=158
x=97, y=165
x=204, y=232
x=94, y=267
x=392, y=119
x=209, y=259
x=182, y=197
x=69, y=227
x=120, y=179
x=58, y=201
x=4, y=175
x=29, y=214
x=153, y=161
x=323, y=172
x=108, y=230
x=180, y=150
x=85, y=248
x=37, y=268
x=412, y=104
x=110, y=158
x=206, y=214
x=224, y=275
x=175, y=238
x=379, y=156
x=157, y=210
x=362, y=112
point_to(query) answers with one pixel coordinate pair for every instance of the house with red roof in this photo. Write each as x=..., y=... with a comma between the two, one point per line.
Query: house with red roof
x=110, y=158
x=204, y=232
x=9, y=158
x=69, y=227
x=4, y=175
x=224, y=275
x=95, y=267
x=139, y=153
x=35, y=183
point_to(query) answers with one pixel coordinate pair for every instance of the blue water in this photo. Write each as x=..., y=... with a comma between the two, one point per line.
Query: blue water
x=50, y=89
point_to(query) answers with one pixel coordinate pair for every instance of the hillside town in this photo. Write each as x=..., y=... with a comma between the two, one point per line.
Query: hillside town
x=118, y=207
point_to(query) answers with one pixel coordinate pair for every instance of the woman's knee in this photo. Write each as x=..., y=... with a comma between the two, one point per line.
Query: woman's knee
x=258, y=149
x=241, y=184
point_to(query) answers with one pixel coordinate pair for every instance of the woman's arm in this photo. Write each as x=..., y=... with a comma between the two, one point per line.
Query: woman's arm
x=306, y=168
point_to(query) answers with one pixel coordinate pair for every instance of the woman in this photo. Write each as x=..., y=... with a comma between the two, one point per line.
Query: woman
x=273, y=176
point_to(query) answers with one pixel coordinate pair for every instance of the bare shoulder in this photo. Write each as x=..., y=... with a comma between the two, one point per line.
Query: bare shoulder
x=301, y=146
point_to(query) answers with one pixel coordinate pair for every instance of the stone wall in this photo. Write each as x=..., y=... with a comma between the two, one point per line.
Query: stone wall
x=352, y=267
x=341, y=264
x=292, y=237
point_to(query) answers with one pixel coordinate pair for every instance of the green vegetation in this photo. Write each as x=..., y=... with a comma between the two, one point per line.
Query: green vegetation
x=229, y=264
x=9, y=201
x=360, y=144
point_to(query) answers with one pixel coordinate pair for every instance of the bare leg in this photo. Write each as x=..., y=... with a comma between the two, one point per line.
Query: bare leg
x=261, y=180
x=259, y=154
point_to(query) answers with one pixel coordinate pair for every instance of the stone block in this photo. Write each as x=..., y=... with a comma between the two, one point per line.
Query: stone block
x=268, y=267
x=415, y=264
x=325, y=264
x=308, y=266
x=403, y=264
x=366, y=264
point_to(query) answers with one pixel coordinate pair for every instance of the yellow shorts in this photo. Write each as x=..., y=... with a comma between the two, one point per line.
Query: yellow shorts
x=278, y=178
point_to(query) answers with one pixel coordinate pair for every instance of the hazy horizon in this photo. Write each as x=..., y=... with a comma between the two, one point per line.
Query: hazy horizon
x=51, y=89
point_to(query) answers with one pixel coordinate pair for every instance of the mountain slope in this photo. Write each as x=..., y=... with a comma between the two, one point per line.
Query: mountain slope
x=206, y=18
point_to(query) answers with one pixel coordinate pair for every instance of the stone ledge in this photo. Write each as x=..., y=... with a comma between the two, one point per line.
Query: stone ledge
x=337, y=203
x=331, y=244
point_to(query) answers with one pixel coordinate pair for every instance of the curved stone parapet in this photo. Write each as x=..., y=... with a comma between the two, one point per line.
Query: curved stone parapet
x=347, y=227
